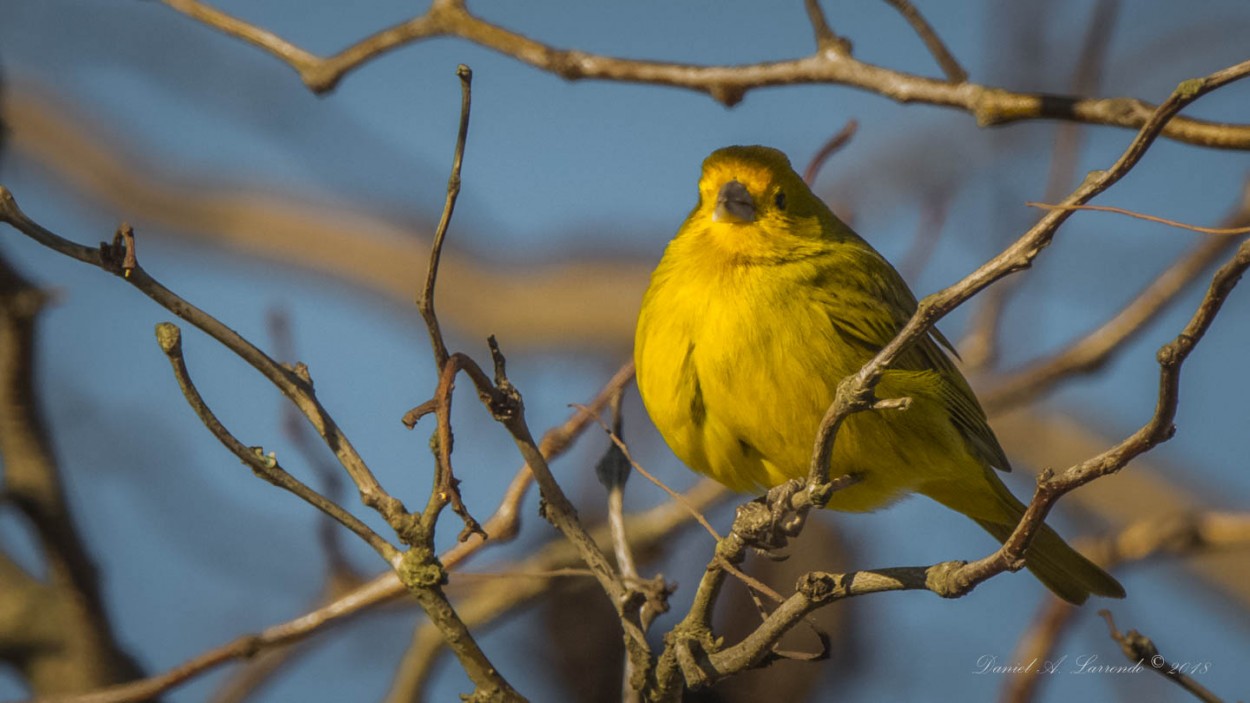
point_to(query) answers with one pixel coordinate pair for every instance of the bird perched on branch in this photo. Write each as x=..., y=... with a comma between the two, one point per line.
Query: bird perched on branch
x=762, y=303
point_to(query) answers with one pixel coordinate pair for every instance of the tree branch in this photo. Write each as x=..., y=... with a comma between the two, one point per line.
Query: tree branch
x=945, y=59
x=726, y=84
x=112, y=258
x=265, y=467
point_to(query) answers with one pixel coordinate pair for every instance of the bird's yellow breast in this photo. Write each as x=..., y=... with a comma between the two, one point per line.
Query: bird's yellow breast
x=737, y=363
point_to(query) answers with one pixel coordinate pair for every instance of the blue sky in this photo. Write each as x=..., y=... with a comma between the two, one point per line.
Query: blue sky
x=195, y=550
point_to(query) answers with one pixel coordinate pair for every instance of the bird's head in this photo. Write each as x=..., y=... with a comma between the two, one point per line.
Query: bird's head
x=752, y=196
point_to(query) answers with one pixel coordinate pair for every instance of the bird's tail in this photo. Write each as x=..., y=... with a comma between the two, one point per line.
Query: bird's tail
x=1058, y=566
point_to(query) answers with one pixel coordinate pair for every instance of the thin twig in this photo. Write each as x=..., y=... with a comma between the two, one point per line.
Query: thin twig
x=981, y=346
x=383, y=589
x=677, y=497
x=1158, y=429
x=301, y=393
x=425, y=302
x=726, y=84
x=826, y=38
x=1179, y=536
x=613, y=472
x=446, y=489
x=417, y=569
x=831, y=147
x=1148, y=218
x=1141, y=650
x=1095, y=349
x=945, y=59
x=501, y=397
x=648, y=531
x=504, y=523
x=266, y=467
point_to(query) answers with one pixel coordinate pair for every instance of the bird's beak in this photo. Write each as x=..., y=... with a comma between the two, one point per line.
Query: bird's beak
x=734, y=204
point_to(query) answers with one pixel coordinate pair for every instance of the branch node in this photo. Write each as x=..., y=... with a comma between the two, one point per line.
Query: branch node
x=946, y=579
x=420, y=569
x=119, y=257
x=819, y=587
x=169, y=337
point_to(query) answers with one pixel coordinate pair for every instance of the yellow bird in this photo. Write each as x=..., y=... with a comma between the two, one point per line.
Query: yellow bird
x=761, y=304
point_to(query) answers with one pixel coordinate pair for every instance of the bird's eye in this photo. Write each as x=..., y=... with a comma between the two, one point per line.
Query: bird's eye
x=780, y=200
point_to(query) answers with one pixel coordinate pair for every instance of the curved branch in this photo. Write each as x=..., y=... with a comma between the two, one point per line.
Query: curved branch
x=726, y=84
x=109, y=258
x=266, y=467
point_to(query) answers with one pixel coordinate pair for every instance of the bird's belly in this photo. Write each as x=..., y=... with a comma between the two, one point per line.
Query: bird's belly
x=766, y=388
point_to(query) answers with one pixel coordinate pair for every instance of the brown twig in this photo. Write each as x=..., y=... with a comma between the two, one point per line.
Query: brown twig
x=1143, y=216
x=446, y=489
x=677, y=497
x=1142, y=650
x=291, y=385
x=341, y=577
x=506, y=406
x=504, y=524
x=425, y=302
x=1158, y=429
x=726, y=84
x=379, y=590
x=328, y=476
x=503, y=400
x=647, y=532
x=826, y=38
x=382, y=589
x=981, y=345
x=613, y=471
x=1180, y=536
x=831, y=147
x=1095, y=349
x=945, y=59
x=264, y=466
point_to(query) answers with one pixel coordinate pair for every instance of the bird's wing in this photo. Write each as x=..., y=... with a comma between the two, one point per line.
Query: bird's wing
x=870, y=311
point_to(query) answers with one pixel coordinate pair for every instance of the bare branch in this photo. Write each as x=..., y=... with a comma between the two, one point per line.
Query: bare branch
x=647, y=531
x=383, y=589
x=826, y=38
x=1094, y=350
x=945, y=59
x=981, y=345
x=289, y=383
x=726, y=84
x=1148, y=218
x=831, y=147
x=504, y=524
x=265, y=467
x=1142, y=651
x=425, y=302
x=1181, y=536
x=694, y=656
